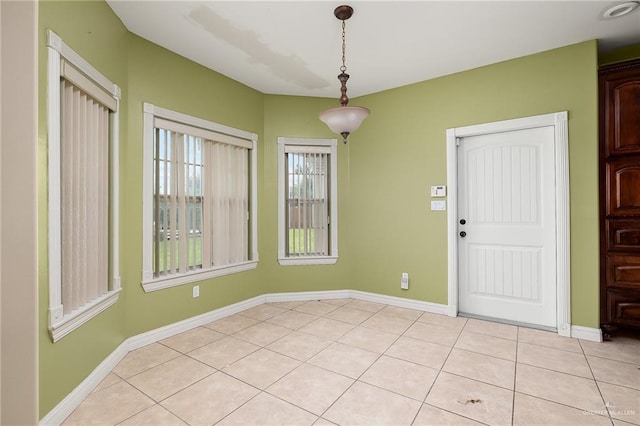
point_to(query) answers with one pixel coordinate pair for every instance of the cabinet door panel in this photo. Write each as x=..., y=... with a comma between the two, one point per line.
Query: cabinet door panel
x=623, y=105
x=623, y=186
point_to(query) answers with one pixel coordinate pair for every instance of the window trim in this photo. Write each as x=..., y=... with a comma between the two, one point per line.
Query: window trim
x=332, y=144
x=149, y=283
x=60, y=324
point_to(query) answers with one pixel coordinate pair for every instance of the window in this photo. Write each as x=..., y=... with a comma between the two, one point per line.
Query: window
x=83, y=190
x=307, y=201
x=199, y=204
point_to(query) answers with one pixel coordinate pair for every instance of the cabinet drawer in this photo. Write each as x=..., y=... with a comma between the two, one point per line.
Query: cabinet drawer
x=623, y=271
x=624, y=308
x=623, y=235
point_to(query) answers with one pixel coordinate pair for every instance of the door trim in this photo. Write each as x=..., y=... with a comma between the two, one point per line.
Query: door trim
x=561, y=152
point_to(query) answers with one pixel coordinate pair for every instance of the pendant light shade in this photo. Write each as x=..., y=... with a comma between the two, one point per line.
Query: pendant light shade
x=344, y=119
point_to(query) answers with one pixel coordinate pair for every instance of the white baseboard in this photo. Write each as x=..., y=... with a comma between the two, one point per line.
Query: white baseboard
x=61, y=411
x=360, y=295
x=401, y=302
x=169, y=330
x=307, y=295
x=586, y=333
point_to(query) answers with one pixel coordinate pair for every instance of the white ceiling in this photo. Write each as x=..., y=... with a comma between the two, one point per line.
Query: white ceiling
x=293, y=47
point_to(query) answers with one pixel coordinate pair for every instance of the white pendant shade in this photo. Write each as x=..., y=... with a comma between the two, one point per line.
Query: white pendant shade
x=344, y=119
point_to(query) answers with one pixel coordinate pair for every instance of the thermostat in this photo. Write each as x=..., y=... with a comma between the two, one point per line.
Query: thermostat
x=439, y=191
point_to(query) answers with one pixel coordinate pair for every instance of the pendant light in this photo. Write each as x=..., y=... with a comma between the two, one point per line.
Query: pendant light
x=344, y=119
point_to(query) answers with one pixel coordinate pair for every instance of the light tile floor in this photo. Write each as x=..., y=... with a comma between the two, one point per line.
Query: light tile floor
x=351, y=362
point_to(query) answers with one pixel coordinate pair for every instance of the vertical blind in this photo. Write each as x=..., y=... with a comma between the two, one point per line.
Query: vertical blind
x=307, y=195
x=201, y=199
x=178, y=202
x=228, y=179
x=84, y=190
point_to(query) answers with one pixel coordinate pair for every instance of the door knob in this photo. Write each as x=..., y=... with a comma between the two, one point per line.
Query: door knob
x=463, y=234
x=462, y=221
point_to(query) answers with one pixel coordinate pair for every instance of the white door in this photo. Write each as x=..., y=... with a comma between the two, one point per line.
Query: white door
x=507, y=226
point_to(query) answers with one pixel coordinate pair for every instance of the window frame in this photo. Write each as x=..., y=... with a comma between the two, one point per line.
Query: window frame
x=149, y=282
x=61, y=324
x=332, y=258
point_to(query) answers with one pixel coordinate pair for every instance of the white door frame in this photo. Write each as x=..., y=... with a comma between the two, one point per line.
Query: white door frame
x=561, y=152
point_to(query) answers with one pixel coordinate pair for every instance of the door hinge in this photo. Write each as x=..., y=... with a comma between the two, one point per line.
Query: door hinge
x=457, y=141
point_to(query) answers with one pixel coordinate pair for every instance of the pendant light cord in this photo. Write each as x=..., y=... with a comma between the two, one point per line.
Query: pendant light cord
x=343, y=68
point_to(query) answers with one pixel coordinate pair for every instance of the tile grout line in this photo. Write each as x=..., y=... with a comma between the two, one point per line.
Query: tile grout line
x=559, y=403
x=361, y=374
x=515, y=378
x=169, y=396
x=637, y=364
x=216, y=370
x=384, y=354
x=605, y=403
x=381, y=355
x=424, y=401
x=261, y=391
x=357, y=380
x=554, y=371
x=549, y=400
x=468, y=378
x=550, y=347
x=302, y=363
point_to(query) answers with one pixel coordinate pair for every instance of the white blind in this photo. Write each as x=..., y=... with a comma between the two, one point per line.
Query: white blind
x=84, y=197
x=78, y=79
x=307, y=195
x=177, y=202
x=228, y=191
x=162, y=123
x=201, y=200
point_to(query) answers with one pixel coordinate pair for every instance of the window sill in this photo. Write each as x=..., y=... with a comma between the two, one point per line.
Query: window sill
x=75, y=319
x=308, y=260
x=175, y=280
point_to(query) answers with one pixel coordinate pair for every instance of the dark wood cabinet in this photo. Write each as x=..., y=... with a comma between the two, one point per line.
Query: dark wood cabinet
x=619, y=87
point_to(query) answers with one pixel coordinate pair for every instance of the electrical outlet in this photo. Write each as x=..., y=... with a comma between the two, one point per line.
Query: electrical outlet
x=404, y=281
x=196, y=291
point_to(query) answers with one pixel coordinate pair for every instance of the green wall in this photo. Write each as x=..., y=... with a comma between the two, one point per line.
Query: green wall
x=167, y=80
x=145, y=73
x=400, y=152
x=93, y=31
x=294, y=116
x=384, y=173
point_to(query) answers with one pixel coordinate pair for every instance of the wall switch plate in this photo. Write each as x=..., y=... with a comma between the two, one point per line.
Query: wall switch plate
x=439, y=191
x=438, y=205
x=196, y=291
x=404, y=281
